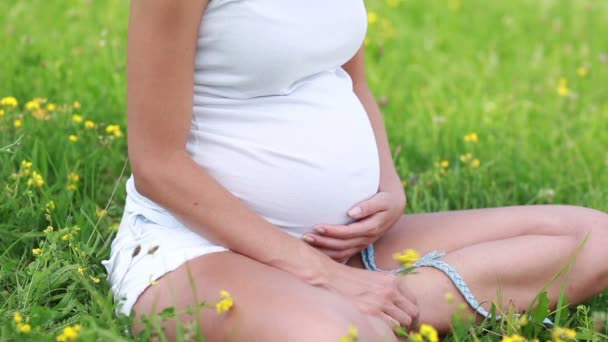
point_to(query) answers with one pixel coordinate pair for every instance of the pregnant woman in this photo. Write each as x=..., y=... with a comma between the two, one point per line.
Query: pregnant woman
x=261, y=166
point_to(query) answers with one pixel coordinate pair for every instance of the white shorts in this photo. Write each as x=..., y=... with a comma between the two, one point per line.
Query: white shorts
x=162, y=249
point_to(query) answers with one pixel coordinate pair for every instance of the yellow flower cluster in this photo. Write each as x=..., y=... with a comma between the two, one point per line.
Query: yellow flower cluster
x=73, y=180
x=407, y=258
x=37, y=251
x=69, y=333
x=352, y=335
x=427, y=333
x=513, y=338
x=563, y=334
x=582, y=71
x=50, y=205
x=9, y=102
x=468, y=158
x=225, y=303
x=26, y=168
x=114, y=130
x=471, y=137
x=562, y=87
x=36, y=180
x=21, y=327
x=36, y=109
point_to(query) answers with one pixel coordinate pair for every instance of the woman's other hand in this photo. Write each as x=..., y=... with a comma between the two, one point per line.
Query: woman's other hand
x=382, y=295
x=374, y=217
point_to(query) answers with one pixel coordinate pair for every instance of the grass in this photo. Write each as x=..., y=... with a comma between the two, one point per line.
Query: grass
x=527, y=77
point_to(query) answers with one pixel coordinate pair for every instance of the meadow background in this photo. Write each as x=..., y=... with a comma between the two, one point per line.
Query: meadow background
x=486, y=103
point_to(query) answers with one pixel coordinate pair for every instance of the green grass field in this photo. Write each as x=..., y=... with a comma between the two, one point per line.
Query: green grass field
x=487, y=103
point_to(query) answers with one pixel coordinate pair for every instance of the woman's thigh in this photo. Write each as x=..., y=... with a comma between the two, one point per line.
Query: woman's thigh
x=452, y=230
x=269, y=304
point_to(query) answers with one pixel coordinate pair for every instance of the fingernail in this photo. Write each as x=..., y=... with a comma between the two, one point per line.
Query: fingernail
x=354, y=212
x=320, y=230
x=308, y=238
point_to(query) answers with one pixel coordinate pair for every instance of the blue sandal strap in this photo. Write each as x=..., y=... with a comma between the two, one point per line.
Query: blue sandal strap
x=432, y=260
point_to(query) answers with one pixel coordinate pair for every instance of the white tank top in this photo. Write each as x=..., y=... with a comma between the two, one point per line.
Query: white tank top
x=275, y=119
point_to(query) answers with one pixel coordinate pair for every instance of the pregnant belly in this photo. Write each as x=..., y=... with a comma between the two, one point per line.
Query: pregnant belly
x=295, y=163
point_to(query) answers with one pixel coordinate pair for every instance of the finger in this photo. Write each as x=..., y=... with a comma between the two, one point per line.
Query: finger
x=390, y=321
x=408, y=307
x=379, y=202
x=333, y=243
x=398, y=315
x=364, y=227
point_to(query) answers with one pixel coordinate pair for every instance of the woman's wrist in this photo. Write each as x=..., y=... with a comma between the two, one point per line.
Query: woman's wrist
x=308, y=264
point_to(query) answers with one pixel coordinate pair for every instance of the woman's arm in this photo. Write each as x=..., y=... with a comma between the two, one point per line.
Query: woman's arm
x=389, y=178
x=160, y=71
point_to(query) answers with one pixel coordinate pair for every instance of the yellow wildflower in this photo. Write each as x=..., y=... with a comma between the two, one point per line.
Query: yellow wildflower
x=466, y=157
x=77, y=118
x=65, y=237
x=372, y=17
x=24, y=328
x=89, y=124
x=32, y=105
x=80, y=270
x=225, y=303
x=73, y=177
x=94, y=279
x=416, y=338
x=51, y=107
x=407, y=258
x=25, y=168
x=513, y=338
x=115, y=130
x=352, y=336
x=72, y=187
x=37, y=251
x=73, y=138
x=50, y=205
x=17, y=317
x=475, y=163
x=582, y=71
x=562, y=87
x=36, y=180
x=76, y=105
x=563, y=334
x=100, y=212
x=429, y=333
x=1, y=112
x=18, y=123
x=69, y=334
x=9, y=101
x=471, y=137
x=444, y=164
x=40, y=114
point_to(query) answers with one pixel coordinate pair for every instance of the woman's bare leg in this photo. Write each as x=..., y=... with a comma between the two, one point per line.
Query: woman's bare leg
x=514, y=250
x=269, y=304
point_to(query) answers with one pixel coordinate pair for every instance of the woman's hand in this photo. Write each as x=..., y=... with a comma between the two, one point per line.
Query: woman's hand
x=382, y=295
x=375, y=216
